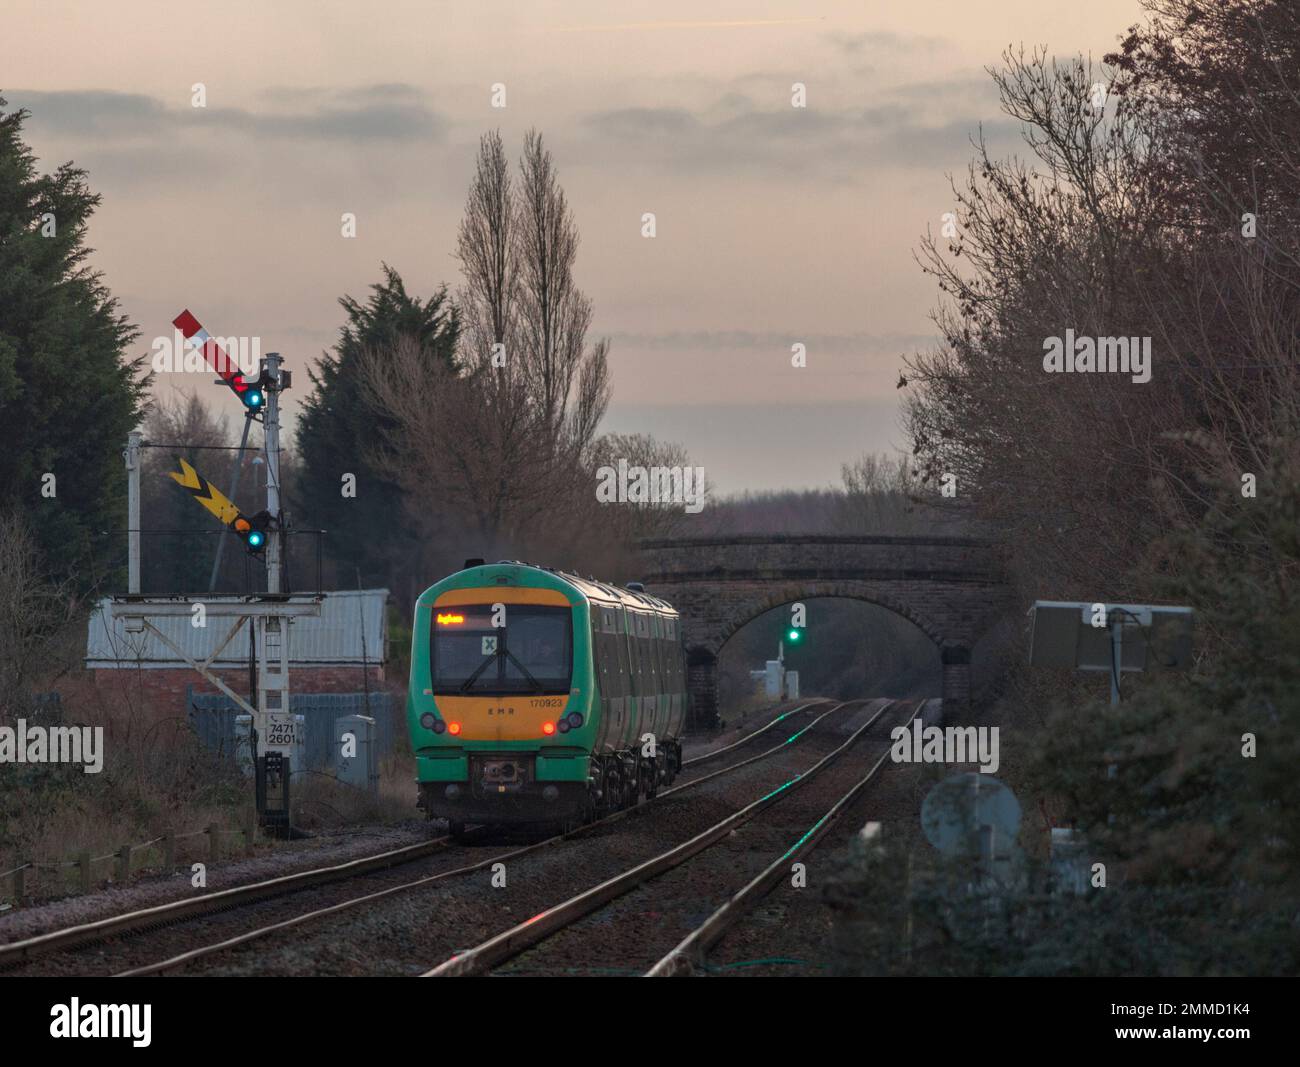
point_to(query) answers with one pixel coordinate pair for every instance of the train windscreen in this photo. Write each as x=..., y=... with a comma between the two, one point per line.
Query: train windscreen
x=531, y=653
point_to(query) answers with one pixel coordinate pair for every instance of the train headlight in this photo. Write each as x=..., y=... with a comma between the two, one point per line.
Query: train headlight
x=563, y=726
x=453, y=728
x=429, y=721
x=574, y=719
x=548, y=728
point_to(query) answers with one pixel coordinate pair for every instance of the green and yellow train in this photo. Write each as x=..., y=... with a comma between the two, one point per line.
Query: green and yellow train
x=541, y=697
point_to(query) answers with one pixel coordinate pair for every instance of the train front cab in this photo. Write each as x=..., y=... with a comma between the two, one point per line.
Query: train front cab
x=502, y=715
x=593, y=741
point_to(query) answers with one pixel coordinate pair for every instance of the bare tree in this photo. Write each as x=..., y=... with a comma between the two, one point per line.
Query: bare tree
x=554, y=313
x=882, y=496
x=631, y=521
x=497, y=448
x=466, y=448
x=487, y=249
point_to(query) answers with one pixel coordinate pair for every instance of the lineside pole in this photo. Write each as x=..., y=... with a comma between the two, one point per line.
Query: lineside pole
x=277, y=730
x=271, y=426
x=133, y=440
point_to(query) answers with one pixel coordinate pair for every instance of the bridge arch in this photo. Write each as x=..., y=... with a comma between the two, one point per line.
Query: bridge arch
x=951, y=588
x=745, y=612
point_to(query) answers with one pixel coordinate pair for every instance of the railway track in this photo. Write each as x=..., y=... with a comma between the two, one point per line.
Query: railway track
x=183, y=912
x=596, y=909
x=690, y=954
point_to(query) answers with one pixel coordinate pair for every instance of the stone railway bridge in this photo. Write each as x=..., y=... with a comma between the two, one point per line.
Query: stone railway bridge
x=951, y=587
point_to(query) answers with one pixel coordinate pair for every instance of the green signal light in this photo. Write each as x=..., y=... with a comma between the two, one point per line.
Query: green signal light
x=794, y=635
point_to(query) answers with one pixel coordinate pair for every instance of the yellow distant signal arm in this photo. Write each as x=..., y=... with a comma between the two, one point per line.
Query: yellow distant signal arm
x=212, y=498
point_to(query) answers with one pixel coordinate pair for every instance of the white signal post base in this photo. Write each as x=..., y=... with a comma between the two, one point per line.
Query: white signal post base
x=274, y=722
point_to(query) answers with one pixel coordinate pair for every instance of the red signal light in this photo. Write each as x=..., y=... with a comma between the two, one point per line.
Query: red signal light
x=548, y=728
x=453, y=727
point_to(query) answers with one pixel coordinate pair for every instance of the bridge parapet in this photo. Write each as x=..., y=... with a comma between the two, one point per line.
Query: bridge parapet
x=952, y=588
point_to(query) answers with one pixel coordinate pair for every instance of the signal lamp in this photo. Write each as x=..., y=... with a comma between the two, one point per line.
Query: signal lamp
x=252, y=530
x=548, y=728
x=453, y=728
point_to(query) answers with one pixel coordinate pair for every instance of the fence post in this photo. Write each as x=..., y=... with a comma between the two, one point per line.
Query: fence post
x=83, y=861
x=169, y=852
x=20, y=884
x=250, y=830
x=124, y=864
x=214, y=843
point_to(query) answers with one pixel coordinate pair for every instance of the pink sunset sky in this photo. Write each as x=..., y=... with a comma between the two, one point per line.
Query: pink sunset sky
x=776, y=225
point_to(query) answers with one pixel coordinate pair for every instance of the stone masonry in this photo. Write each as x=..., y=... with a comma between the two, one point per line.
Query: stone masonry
x=950, y=587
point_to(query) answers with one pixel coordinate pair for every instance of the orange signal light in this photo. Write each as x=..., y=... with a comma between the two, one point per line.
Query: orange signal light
x=453, y=727
x=548, y=728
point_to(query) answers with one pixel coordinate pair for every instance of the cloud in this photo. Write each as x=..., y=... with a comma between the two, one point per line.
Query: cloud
x=390, y=112
x=926, y=125
x=856, y=44
x=89, y=112
x=725, y=340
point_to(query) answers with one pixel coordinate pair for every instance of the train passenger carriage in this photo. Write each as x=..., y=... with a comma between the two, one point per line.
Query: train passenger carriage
x=539, y=696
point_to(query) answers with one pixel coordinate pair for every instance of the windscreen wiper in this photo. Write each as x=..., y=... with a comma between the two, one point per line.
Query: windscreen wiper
x=465, y=685
x=524, y=671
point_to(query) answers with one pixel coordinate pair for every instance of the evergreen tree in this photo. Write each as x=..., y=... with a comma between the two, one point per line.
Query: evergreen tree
x=68, y=392
x=338, y=428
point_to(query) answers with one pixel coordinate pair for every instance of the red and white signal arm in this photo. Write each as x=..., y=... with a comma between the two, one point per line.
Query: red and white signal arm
x=217, y=357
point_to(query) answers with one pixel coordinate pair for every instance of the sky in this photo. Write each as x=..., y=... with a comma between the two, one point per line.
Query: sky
x=774, y=225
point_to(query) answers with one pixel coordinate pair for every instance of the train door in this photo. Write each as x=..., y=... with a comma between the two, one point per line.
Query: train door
x=627, y=675
x=602, y=697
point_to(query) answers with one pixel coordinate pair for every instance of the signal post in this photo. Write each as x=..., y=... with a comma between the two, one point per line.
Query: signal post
x=274, y=733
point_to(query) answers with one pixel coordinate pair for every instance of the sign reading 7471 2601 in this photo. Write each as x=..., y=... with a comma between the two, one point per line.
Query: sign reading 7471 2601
x=281, y=733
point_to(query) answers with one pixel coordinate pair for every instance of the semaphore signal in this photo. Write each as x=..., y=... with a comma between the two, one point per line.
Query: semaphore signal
x=251, y=394
x=252, y=530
